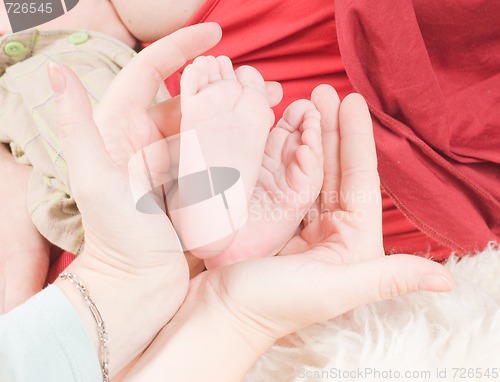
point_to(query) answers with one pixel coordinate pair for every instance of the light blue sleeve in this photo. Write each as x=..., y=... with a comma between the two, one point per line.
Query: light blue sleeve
x=45, y=340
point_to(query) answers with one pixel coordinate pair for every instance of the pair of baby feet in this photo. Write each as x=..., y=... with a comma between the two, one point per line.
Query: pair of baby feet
x=244, y=187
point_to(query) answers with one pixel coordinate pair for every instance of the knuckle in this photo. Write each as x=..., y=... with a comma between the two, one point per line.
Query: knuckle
x=392, y=285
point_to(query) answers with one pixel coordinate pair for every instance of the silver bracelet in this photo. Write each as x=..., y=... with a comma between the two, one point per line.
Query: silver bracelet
x=101, y=328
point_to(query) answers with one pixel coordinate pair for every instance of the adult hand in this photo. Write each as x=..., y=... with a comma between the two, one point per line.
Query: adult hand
x=347, y=216
x=132, y=262
x=233, y=314
x=24, y=253
x=134, y=123
x=130, y=125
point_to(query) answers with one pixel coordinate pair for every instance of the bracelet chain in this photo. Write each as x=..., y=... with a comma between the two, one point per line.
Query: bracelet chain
x=101, y=328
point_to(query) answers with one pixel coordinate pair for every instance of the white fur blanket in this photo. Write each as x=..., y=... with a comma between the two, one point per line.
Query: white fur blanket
x=421, y=337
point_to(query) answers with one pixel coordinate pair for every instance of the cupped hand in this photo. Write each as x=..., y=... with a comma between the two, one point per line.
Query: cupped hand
x=346, y=218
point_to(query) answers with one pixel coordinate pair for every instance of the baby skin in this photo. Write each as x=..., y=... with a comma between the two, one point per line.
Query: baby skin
x=281, y=171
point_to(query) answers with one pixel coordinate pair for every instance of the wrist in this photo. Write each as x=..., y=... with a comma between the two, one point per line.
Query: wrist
x=204, y=332
x=134, y=306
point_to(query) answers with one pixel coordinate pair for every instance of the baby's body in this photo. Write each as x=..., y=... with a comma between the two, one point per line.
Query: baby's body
x=128, y=21
x=94, y=15
x=28, y=118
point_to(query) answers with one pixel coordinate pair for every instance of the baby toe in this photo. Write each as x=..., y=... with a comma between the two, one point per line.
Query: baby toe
x=250, y=77
x=214, y=74
x=226, y=68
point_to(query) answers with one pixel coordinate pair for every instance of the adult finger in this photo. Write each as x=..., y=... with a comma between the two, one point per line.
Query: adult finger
x=384, y=278
x=82, y=145
x=310, y=289
x=166, y=116
x=360, y=183
x=327, y=102
x=138, y=83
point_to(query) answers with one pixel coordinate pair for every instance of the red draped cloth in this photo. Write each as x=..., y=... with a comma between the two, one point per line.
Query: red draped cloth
x=430, y=71
x=293, y=42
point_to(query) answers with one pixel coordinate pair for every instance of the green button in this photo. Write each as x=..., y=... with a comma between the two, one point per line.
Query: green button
x=14, y=49
x=19, y=152
x=78, y=38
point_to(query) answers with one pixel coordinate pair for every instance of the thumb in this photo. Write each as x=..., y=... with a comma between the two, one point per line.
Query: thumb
x=384, y=278
x=80, y=139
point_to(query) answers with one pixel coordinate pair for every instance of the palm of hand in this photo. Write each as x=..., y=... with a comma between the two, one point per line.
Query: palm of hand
x=345, y=234
x=270, y=295
x=127, y=132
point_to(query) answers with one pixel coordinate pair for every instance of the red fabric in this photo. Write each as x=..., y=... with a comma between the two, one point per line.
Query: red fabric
x=59, y=263
x=293, y=42
x=400, y=236
x=430, y=71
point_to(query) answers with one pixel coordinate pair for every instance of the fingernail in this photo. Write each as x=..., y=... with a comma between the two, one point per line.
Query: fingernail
x=56, y=77
x=434, y=283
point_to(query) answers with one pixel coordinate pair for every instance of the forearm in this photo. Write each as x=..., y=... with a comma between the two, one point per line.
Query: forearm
x=24, y=253
x=202, y=335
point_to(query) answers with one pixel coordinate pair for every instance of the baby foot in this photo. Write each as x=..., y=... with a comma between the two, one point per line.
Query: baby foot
x=230, y=113
x=226, y=118
x=289, y=182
